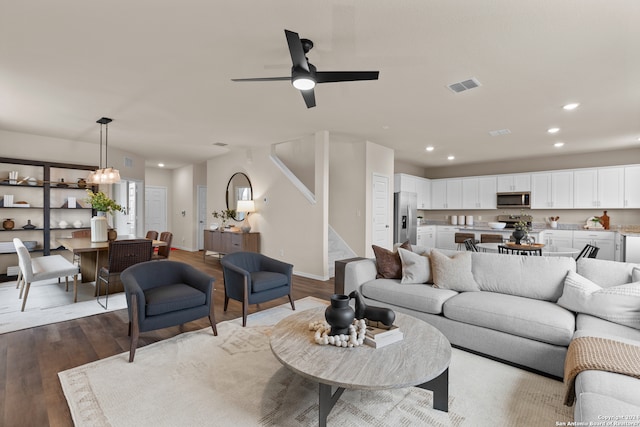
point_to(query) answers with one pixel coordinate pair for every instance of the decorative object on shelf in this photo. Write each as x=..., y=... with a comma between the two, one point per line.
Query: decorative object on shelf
x=106, y=175
x=62, y=184
x=82, y=183
x=103, y=204
x=8, y=224
x=112, y=234
x=29, y=226
x=224, y=216
x=13, y=177
x=552, y=221
x=354, y=338
x=77, y=223
x=246, y=206
x=214, y=226
x=604, y=220
x=63, y=224
x=31, y=181
x=593, y=222
x=382, y=315
x=339, y=314
x=7, y=201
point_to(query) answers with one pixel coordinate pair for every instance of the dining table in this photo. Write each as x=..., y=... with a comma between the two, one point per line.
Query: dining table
x=93, y=255
x=547, y=250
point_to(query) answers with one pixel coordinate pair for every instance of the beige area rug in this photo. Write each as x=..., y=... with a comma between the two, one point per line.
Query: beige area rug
x=49, y=303
x=196, y=379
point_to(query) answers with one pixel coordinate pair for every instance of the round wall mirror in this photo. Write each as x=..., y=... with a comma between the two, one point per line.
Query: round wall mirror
x=238, y=188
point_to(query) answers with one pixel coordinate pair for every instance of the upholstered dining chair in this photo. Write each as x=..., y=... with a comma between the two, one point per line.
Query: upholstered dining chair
x=491, y=238
x=43, y=268
x=122, y=254
x=461, y=237
x=151, y=235
x=164, y=294
x=253, y=278
x=164, y=251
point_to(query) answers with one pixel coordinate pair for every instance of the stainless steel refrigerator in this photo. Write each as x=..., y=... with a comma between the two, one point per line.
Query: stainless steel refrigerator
x=405, y=211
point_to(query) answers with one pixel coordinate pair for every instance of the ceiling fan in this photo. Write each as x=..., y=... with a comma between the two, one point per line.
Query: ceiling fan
x=304, y=75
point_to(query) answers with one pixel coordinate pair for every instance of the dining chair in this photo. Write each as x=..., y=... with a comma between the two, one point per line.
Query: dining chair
x=516, y=251
x=461, y=237
x=79, y=234
x=491, y=238
x=164, y=251
x=253, y=278
x=122, y=254
x=152, y=235
x=589, y=251
x=43, y=268
x=470, y=245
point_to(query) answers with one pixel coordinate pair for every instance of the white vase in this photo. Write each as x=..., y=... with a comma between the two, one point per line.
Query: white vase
x=99, y=229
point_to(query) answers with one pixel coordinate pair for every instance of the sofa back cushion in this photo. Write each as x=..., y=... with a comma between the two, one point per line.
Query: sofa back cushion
x=539, y=277
x=606, y=273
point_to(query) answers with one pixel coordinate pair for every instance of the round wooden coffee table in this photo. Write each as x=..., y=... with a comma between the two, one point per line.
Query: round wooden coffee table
x=421, y=359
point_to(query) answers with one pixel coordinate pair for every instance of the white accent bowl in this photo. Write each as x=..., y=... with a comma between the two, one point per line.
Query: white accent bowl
x=497, y=225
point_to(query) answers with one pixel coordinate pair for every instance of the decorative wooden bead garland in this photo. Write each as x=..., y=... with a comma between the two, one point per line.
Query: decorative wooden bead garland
x=354, y=339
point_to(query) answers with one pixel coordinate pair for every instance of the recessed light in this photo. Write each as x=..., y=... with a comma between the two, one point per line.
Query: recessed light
x=451, y=157
x=571, y=106
x=385, y=127
x=553, y=130
x=558, y=144
x=429, y=148
x=160, y=165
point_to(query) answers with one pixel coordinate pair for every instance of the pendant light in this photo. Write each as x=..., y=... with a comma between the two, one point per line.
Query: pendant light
x=106, y=175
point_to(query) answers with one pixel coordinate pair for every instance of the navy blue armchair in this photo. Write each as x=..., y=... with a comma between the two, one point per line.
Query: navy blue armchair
x=164, y=294
x=253, y=278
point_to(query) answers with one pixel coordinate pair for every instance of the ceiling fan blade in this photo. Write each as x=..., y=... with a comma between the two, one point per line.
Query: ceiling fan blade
x=295, y=49
x=345, y=76
x=262, y=79
x=309, y=97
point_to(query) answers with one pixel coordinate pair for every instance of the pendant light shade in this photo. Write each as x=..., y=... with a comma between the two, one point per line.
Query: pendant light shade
x=104, y=175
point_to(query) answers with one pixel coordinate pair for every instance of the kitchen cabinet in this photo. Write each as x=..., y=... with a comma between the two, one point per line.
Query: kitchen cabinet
x=445, y=237
x=604, y=240
x=618, y=247
x=479, y=192
x=414, y=184
x=599, y=187
x=632, y=186
x=426, y=236
x=403, y=182
x=552, y=190
x=560, y=238
x=45, y=196
x=514, y=182
x=446, y=193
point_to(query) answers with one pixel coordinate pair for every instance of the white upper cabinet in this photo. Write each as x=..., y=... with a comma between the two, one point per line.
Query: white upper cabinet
x=632, y=186
x=479, y=192
x=403, y=182
x=423, y=188
x=552, y=190
x=514, y=182
x=446, y=193
x=599, y=187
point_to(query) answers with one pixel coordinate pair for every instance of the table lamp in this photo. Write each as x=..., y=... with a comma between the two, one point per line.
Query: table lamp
x=246, y=206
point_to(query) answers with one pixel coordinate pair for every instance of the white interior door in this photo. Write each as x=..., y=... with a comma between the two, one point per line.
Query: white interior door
x=155, y=200
x=126, y=194
x=202, y=214
x=381, y=222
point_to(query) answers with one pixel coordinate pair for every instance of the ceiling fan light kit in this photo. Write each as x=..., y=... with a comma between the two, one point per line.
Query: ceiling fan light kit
x=304, y=75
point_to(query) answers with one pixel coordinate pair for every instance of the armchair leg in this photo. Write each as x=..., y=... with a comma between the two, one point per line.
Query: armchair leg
x=245, y=308
x=134, y=328
x=212, y=317
x=226, y=302
x=293, y=307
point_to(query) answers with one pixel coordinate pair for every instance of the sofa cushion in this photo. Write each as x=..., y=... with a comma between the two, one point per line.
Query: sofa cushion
x=617, y=386
x=266, y=280
x=415, y=268
x=606, y=273
x=619, y=304
x=602, y=410
x=423, y=298
x=453, y=272
x=388, y=262
x=525, y=276
x=635, y=274
x=524, y=317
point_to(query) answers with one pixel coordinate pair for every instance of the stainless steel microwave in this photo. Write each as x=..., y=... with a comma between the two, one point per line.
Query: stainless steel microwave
x=514, y=200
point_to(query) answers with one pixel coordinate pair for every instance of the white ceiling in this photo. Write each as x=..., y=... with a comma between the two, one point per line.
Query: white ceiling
x=161, y=69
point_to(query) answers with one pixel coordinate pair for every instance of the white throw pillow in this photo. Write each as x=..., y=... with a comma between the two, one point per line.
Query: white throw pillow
x=453, y=272
x=635, y=274
x=415, y=268
x=619, y=304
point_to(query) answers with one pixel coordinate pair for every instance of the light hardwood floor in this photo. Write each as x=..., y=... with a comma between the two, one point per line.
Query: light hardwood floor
x=30, y=392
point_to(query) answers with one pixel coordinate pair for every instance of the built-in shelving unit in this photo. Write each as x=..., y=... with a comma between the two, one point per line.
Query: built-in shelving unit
x=38, y=185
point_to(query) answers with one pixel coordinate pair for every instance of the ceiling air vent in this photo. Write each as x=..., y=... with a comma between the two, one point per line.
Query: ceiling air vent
x=465, y=85
x=499, y=132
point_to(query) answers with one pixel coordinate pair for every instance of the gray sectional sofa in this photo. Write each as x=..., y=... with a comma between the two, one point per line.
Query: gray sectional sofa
x=512, y=313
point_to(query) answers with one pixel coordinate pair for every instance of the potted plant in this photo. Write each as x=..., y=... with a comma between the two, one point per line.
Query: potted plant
x=101, y=203
x=521, y=230
x=224, y=215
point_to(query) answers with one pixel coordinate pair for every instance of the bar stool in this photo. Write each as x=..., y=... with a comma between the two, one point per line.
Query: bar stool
x=461, y=237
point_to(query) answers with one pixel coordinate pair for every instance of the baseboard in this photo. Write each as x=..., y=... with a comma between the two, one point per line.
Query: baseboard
x=311, y=276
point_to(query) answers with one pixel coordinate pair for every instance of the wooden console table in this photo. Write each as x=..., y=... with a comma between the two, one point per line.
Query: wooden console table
x=226, y=242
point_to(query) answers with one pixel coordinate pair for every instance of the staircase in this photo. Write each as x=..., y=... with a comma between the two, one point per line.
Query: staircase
x=338, y=249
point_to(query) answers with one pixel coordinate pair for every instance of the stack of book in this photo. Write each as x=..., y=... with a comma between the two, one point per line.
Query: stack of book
x=379, y=337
